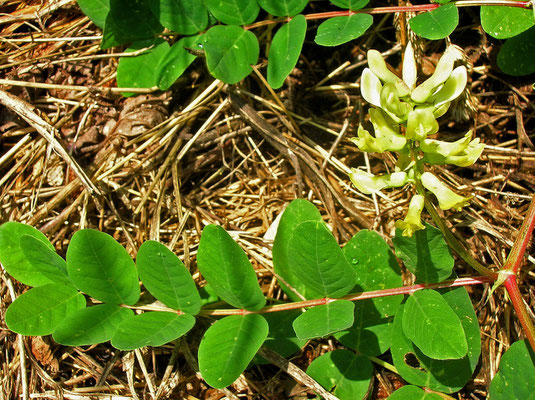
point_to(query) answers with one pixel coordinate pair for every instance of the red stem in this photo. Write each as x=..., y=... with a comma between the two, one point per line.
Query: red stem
x=520, y=309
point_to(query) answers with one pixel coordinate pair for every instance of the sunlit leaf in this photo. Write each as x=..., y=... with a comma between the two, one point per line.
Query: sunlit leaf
x=151, y=329
x=96, y=10
x=338, y=30
x=324, y=320
x=186, y=17
x=436, y=24
x=102, y=268
x=505, y=22
x=410, y=392
x=90, y=325
x=38, y=311
x=351, y=4
x=280, y=8
x=234, y=12
x=228, y=346
x=43, y=259
x=285, y=50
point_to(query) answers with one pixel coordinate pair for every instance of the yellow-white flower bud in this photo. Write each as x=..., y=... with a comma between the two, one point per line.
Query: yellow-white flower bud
x=368, y=183
x=446, y=197
x=412, y=221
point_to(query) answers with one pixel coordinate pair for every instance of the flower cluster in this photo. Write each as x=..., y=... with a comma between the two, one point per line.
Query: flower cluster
x=404, y=116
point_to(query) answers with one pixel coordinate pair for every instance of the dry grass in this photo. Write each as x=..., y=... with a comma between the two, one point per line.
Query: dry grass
x=194, y=158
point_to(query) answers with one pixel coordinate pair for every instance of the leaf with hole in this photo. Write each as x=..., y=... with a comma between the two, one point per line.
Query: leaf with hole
x=345, y=372
x=285, y=50
x=410, y=392
x=38, y=311
x=12, y=256
x=234, y=12
x=186, y=17
x=319, y=262
x=227, y=269
x=230, y=52
x=339, y=30
x=297, y=212
x=43, y=259
x=517, y=368
x=166, y=277
x=228, y=346
x=436, y=24
x=96, y=10
x=90, y=325
x=282, y=8
x=425, y=254
x=517, y=55
x=102, y=268
x=431, y=324
x=442, y=375
x=153, y=328
x=324, y=320
x=122, y=27
x=505, y=22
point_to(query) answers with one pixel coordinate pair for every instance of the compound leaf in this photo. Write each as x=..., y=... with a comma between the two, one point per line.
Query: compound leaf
x=517, y=369
x=166, y=277
x=517, y=55
x=319, y=262
x=102, y=268
x=230, y=52
x=409, y=392
x=297, y=212
x=228, y=346
x=43, y=259
x=441, y=375
x=282, y=8
x=90, y=325
x=12, y=257
x=227, y=269
x=186, y=17
x=96, y=10
x=285, y=50
x=436, y=24
x=431, y=324
x=234, y=12
x=153, y=328
x=338, y=30
x=505, y=22
x=324, y=320
x=38, y=311
x=343, y=370
x=425, y=254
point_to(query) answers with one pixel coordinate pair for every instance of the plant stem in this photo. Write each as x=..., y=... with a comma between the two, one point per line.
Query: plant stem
x=520, y=309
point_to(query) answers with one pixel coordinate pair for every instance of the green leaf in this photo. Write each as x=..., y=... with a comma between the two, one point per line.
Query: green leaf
x=186, y=17
x=44, y=260
x=227, y=269
x=517, y=369
x=12, y=257
x=282, y=8
x=436, y=24
x=425, y=254
x=505, y=22
x=351, y=4
x=431, y=324
x=166, y=277
x=281, y=336
x=517, y=55
x=441, y=375
x=297, y=212
x=234, y=12
x=90, y=325
x=371, y=333
x=338, y=30
x=102, y=268
x=160, y=66
x=38, y=311
x=319, y=262
x=376, y=268
x=228, y=346
x=324, y=320
x=122, y=27
x=410, y=392
x=151, y=329
x=230, y=52
x=344, y=371
x=285, y=50
x=96, y=10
